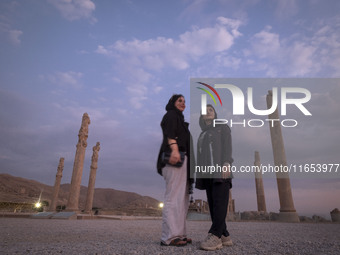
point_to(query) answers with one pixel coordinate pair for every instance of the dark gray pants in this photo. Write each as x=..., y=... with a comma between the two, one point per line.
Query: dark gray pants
x=218, y=198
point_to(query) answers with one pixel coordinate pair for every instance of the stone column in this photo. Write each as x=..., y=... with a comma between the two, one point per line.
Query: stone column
x=287, y=209
x=231, y=204
x=261, y=200
x=54, y=200
x=231, y=208
x=73, y=200
x=92, y=178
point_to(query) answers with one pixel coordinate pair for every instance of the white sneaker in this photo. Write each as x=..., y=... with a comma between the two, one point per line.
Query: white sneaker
x=211, y=243
x=226, y=241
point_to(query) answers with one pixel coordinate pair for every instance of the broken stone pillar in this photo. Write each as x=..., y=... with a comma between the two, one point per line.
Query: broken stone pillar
x=231, y=204
x=261, y=200
x=205, y=206
x=55, y=194
x=92, y=178
x=287, y=209
x=73, y=200
x=335, y=215
x=231, y=208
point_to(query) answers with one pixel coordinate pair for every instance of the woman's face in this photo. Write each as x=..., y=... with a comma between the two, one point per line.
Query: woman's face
x=180, y=104
x=210, y=114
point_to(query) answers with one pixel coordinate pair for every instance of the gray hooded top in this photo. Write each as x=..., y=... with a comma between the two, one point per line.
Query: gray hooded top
x=214, y=148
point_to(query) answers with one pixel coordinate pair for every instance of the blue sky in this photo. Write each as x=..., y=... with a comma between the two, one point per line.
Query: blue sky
x=120, y=61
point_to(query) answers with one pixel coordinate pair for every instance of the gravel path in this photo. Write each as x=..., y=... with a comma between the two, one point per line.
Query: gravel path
x=37, y=236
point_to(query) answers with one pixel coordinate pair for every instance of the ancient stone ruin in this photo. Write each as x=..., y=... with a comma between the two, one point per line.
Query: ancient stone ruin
x=200, y=206
x=74, y=193
x=287, y=209
x=57, y=185
x=73, y=201
x=335, y=215
x=261, y=201
x=231, y=204
x=92, y=178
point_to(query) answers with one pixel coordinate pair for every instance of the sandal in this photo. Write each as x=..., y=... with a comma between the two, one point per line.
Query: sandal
x=188, y=240
x=176, y=242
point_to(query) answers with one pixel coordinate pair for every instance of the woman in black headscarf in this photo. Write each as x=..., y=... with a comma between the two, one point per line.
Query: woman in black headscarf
x=176, y=141
x=214, y=148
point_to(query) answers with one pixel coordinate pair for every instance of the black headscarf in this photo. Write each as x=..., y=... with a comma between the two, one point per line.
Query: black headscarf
x=171, y=104
x=202, y=122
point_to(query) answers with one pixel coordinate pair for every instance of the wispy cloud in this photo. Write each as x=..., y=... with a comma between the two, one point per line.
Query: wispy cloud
x=102, y=50
x=13, y=35
x=75, y=9
x=297, y=55
x=286, y=9
x=266, y=43
x=68, y=79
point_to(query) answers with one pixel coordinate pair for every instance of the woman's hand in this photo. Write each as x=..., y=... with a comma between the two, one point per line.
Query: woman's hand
x=175, y=157
x=226, y=173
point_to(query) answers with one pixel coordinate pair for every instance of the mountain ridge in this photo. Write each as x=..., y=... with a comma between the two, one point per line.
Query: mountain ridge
x=21, y=190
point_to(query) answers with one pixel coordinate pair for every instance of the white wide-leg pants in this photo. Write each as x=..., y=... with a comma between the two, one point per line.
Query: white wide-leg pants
x=176, y=202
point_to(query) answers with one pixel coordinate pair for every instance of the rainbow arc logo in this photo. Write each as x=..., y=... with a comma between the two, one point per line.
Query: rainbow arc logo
x=209, y=93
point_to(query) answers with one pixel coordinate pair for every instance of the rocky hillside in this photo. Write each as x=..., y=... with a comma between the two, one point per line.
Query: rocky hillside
x=20, y=190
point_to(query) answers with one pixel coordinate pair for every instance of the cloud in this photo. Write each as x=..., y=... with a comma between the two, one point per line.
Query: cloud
x=136, y=87
x=303, y=59
x=75, y=9
x=158, y=89
x=140, y=58
x=64, y=79
x=14, y=36
x=266, y=44
x=299, y=54
x=99, y=90
x=193, y=8
x=286, y=9
x=234, y=24
x=7, y=30
x=228, y=61
x=162, y=52
x=101, y=50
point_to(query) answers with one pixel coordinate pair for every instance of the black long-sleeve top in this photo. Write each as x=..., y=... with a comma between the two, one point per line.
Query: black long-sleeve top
x=214, y=147
x=174, y=127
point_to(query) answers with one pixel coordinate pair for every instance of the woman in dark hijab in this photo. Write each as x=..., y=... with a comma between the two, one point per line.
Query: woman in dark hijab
x=214, y=148
x=176, y=142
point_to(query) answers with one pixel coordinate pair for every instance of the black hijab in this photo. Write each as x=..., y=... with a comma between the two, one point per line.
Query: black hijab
x=202, y=123
x=171, y=105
